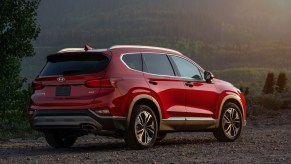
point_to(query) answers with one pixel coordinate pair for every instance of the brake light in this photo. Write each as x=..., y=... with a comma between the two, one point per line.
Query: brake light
x=37, y=85
x=98, y=83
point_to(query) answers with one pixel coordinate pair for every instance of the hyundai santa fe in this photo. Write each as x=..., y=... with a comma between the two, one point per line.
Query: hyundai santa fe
x=140, y=93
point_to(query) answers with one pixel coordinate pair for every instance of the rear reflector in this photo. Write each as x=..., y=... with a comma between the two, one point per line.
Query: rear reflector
x=37, y=85
x=98, y=83
x=103, y=112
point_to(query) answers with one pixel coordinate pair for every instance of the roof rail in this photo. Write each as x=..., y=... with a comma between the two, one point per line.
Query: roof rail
x=138, y=46
x=71, y=50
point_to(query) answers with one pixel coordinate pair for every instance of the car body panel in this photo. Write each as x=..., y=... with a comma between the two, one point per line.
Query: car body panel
x=171, y=93
x=80, y=94
x=201, y=99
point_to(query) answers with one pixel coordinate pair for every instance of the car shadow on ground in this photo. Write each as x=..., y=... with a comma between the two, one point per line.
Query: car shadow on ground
x=184, y=141
x=31, y=149
x=39, y=150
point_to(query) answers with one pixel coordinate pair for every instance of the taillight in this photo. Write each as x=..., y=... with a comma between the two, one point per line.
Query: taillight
x=98, y=83
x=37, y=85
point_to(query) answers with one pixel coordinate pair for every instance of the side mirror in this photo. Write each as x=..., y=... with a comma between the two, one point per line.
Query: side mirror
x=208, y=76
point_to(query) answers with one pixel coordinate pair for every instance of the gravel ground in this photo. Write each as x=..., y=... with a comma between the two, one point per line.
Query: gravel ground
x=266, y=139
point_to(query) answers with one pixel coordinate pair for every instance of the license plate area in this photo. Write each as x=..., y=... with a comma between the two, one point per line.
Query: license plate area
x=63, y=90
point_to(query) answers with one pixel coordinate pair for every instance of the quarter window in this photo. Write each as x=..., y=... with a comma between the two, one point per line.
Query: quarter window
x=158, y=64
x=186, y=68
x=133, y=61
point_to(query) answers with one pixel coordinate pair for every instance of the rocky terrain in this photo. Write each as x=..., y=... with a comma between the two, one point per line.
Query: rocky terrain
x=265, y=139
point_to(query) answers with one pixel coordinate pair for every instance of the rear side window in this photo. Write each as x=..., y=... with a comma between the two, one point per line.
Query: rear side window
x=76, y=64
x=133, y=61
x=158, y=64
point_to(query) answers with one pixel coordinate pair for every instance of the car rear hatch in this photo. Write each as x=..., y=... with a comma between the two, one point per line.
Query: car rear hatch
x=70, y=79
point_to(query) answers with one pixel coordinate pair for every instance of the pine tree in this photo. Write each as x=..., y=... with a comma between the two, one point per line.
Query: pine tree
x=269, y=86
x=281, y=84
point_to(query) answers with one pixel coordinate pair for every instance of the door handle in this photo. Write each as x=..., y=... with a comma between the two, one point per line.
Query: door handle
x=153, y=82
x=189, y=84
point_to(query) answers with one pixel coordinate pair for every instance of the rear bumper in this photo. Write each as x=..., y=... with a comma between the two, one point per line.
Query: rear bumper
x=75, y=119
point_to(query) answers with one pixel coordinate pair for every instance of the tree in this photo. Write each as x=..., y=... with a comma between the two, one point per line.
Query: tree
x=247, y=91
x=269, y=84
x=18, y=29
x=281, y=84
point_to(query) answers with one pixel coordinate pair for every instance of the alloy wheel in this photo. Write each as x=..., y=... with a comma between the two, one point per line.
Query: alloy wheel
x=144, y=127
x=231, y=122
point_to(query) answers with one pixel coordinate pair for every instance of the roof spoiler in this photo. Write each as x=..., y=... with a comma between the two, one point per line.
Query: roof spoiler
x=86, y=48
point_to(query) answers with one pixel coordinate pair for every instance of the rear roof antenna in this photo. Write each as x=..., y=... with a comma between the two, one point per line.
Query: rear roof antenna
x=87, y=47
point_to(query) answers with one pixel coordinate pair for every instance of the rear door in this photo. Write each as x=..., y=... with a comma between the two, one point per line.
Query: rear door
x=167, y=87
x=66, y=79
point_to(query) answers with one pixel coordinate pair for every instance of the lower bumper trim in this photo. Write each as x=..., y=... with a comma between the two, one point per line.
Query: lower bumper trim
x=75, y=119
x=65, y=121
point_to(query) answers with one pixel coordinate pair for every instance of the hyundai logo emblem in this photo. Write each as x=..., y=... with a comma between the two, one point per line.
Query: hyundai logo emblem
x=61, y=79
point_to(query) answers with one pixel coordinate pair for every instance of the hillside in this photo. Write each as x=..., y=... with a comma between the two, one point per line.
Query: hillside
x=219, y=35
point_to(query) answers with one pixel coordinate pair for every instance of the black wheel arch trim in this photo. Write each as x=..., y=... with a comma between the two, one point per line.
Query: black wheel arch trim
x=231, y=98
x=140, y=97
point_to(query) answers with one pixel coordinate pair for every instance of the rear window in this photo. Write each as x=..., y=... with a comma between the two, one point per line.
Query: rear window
x=74, y=64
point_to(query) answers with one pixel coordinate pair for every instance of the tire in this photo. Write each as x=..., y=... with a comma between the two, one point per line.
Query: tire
x=141, y=134
x=59, y=140
x=230, y=123
x=161, y=136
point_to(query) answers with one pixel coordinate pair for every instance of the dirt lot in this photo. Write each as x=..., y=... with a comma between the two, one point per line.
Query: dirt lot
x=266, y=139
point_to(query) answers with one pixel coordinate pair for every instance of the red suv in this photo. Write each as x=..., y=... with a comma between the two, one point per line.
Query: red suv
x=138, y=92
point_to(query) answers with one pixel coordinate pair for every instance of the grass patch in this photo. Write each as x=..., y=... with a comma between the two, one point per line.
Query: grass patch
x=20, y=130
x=14, y=121
x=268, y=105
x=254, y=78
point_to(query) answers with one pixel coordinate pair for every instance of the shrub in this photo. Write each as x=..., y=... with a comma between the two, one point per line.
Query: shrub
x=270, y=101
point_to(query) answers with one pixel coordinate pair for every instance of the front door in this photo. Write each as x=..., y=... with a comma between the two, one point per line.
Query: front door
x=200, y=95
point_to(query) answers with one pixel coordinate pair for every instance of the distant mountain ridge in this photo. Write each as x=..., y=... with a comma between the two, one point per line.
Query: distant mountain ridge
x=217, y=34
x=223, y=21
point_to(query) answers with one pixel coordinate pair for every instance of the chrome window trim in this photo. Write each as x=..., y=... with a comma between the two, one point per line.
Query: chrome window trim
x=183, y=57
x=142, y=71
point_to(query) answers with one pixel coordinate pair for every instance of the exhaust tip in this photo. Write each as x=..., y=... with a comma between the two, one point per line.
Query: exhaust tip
x=88, y=127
